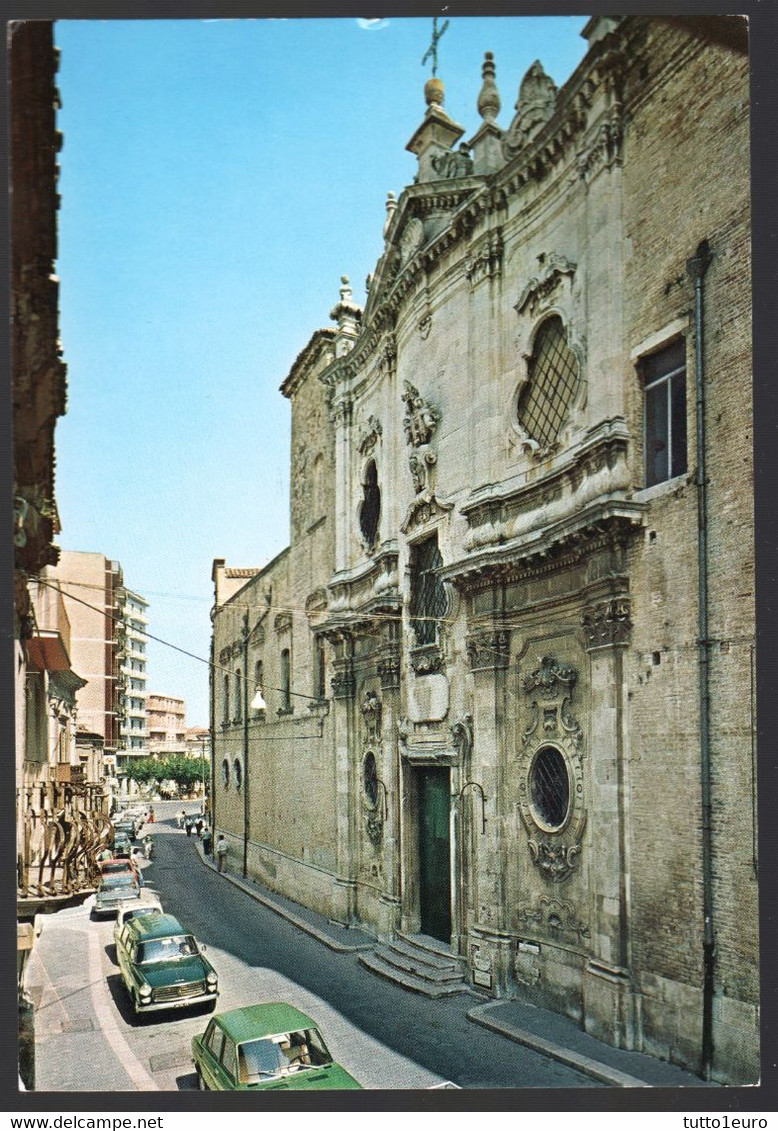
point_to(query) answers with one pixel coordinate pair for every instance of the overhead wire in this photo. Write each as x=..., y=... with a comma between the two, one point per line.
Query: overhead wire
x=257, y=685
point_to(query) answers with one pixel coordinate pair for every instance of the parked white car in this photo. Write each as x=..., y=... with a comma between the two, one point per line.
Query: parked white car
x=148, y=903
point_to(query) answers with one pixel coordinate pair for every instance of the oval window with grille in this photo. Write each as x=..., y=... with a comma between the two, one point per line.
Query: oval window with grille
x=238, y=771
x=225, y=773
x=552, y=380
x=549, y=788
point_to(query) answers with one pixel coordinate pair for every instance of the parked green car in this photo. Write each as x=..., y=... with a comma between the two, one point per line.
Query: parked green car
x=162, y=965
x=263, y=1047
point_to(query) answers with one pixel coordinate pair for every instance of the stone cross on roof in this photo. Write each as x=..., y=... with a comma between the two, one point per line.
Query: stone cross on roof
x=432, y=50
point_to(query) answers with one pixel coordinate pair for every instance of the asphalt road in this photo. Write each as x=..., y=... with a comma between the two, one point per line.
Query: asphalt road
x=88, y=1038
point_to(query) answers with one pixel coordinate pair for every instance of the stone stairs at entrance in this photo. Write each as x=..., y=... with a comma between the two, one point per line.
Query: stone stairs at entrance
x=418, y=963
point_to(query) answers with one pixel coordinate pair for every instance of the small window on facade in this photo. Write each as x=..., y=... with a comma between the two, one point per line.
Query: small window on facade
x=238, y=772
x=664, y=391
x=428, y=594
x=259, y=681
x=286, y=680
x=552, y=378
x=370, y=508
x=549, y=784
x=225, y=773
x=317, y=492
x=319, y=669
x=370, y=778
x=226, y=715
x=238, y=696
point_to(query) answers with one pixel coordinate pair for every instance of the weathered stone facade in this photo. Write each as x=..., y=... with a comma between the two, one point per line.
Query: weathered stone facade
x=536, y=590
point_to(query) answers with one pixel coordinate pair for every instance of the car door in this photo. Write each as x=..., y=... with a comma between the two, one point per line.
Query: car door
x=210, y=1063
x=125, y=949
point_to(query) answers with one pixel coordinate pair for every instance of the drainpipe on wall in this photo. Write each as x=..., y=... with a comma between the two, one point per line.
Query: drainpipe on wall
x=696, y=268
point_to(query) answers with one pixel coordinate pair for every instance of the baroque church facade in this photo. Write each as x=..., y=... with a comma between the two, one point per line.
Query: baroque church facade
x=498, y=690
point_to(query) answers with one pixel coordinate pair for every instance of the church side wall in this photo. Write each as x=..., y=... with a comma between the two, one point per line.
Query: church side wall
x=685, y=181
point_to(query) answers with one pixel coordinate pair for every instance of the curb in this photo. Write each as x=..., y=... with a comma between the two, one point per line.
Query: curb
x=593, y=1068
x=302, y=924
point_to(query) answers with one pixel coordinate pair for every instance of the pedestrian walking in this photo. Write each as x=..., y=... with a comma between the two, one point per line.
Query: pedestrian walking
x=188, y=827
x=151, y=816
x=199, y=826
x=136, y=856
x=182, y=818
x=221, y=851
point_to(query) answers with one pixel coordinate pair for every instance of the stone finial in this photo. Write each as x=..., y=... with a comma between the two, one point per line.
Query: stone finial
x=391, y=208
x=346, y=293
x=434, y=92
x=489, y=98
x=348, y=315
x=537, y=94
x=534, y=107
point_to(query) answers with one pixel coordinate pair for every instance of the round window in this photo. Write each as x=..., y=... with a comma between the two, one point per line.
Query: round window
x=238, y=769
x=225, y=773
x=370, y=778
x=549, y=784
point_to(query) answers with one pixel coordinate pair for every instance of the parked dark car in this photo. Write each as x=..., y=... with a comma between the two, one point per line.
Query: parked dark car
x=162, y=965
x=114, y=889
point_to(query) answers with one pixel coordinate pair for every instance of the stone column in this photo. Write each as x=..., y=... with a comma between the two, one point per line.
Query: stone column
x=489, y=951
x=608, y=994
x=341, y=415
x=343, y=692
x=388, y=668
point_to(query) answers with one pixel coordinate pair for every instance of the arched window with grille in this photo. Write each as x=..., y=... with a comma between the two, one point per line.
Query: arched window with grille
x=545, y=400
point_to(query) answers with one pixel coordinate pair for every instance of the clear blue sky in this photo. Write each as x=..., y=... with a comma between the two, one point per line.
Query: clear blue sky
x=217, y=179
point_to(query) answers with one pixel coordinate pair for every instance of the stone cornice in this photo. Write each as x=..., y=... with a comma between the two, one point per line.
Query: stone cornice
x=549, y=549
x=305, y=361
x=604, y=440
x=366, y=590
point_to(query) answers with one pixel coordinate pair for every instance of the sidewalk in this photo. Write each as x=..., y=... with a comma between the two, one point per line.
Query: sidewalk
x=539, y=1029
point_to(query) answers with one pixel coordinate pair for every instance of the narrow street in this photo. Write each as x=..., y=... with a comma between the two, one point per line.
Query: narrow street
x=87, y=1037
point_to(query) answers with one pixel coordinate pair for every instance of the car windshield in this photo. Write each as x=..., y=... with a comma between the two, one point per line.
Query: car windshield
x=119, y=880
x=121, y=867
x=143, y=909
x=165, y=950
x=281, y=1054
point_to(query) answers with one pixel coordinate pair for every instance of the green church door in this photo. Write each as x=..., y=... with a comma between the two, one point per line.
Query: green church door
x=434, y=853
